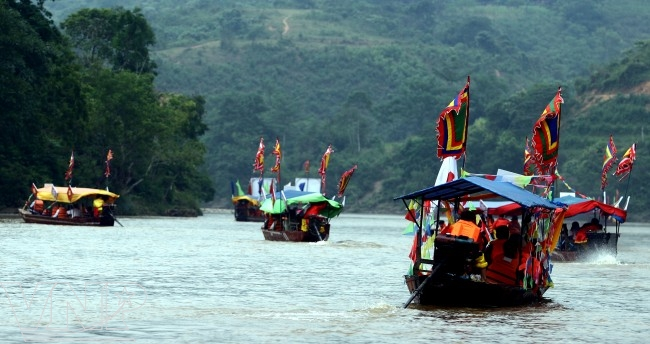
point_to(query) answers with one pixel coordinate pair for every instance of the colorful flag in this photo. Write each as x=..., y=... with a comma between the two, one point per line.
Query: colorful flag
x=109, y=157
x=625, y=166
x=608, y=161
x=345, y=179
x=278, y=156
x=452, y=126
x=259, y=158
x=412, y=213
x=68, y=173
x=272, y=192
x=546, y=136
x=69, y=193
x=324, y=162
x=306, y=166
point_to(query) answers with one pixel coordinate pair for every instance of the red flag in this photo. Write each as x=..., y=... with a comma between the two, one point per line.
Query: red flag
x=324, y=162
x=272, y=191
x=259, y=158
x=69, y=193
x=546, y=136
x=278, y=156
x=625, y=166
x=608, y=160
x=345, y=179
x=68, y=173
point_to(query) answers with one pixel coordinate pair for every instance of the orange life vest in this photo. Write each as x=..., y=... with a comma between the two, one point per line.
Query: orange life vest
x=501, y=269
x=466, y=228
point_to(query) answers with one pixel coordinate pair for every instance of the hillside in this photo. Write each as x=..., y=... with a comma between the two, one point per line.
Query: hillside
x=370, y=77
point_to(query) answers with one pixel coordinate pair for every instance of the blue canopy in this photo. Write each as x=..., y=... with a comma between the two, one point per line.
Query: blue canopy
x=480, y=188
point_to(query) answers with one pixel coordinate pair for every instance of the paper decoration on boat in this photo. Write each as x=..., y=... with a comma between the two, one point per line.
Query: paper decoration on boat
x=546, y=136
x=259, y=158
x=452, y=126
x=608, y=161
x=109, y=157
x=68, y=173
x=324, y=162
x=345, y=179
x=625, y=166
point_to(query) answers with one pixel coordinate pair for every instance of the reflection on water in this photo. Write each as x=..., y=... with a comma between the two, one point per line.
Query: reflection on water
x=211, y=279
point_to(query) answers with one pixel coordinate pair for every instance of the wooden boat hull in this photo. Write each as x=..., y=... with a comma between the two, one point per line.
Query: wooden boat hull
x=247, y=212
x=597, y=244
x=447, y=290
x=103, y=221
x=295, y=236
x=286, y=230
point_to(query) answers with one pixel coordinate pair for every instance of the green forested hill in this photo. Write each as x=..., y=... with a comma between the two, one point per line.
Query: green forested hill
x=370, y=77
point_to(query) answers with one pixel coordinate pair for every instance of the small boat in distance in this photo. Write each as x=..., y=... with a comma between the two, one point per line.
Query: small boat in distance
x=247, y=205
x=70, y=206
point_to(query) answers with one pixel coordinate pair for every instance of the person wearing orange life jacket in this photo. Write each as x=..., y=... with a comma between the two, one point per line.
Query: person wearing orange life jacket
x=466, y=226
x=503, y=259
x=581, y=235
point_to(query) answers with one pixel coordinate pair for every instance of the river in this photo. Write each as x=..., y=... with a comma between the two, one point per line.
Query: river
x=211, y=279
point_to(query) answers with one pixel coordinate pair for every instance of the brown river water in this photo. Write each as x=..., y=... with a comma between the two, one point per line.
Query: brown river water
x=211, y=279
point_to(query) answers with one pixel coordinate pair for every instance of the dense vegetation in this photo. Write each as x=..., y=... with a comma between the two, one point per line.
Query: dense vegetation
x=370, y=77
x=55, y=103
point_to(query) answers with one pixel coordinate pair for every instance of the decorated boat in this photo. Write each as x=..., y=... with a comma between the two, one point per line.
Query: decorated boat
x=448, y=269
x=70, y=206
x=247, y=205
x=295, y=214
x=292, y=215
x=590, y=232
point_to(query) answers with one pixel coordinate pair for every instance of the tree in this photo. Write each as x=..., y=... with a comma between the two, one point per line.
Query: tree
x=112, y=37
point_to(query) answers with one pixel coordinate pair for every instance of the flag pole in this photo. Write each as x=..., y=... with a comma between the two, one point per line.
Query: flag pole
x=462, y=168
x=559, y=125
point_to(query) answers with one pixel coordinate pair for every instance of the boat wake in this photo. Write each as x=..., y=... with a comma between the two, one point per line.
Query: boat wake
x=356, y=244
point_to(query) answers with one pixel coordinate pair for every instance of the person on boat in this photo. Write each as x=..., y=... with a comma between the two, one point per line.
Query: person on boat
x=592, y=226
x=37, y=206
x=98, y=206
x=500, y=221
x=443, y=228
x=466, y=226
x=504, y=258
x=514, y=225
x=495, y=247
